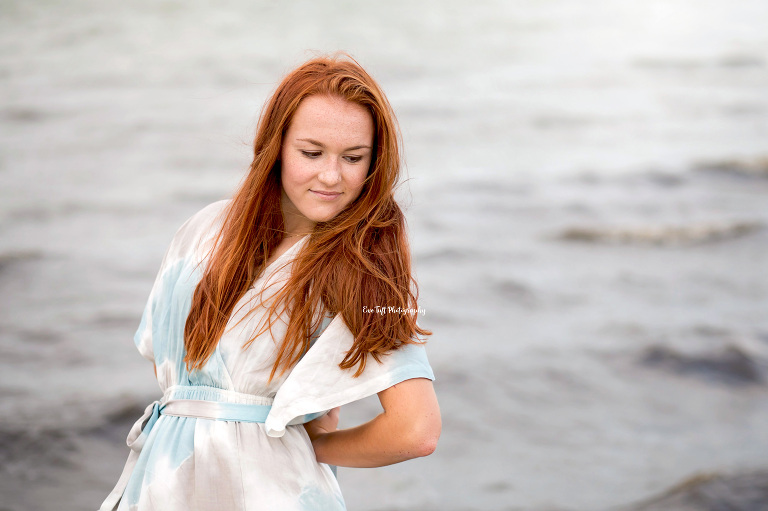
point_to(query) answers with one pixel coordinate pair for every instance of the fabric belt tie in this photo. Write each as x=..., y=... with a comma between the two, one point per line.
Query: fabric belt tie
x=199, y=409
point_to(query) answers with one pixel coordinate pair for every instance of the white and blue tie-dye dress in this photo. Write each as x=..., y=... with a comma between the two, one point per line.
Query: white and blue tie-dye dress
x=225, y=437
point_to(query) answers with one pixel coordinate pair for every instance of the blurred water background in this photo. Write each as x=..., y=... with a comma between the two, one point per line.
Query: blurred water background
x=588, y=201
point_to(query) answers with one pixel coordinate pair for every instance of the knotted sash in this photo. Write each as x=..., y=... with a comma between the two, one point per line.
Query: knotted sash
x=192, y=408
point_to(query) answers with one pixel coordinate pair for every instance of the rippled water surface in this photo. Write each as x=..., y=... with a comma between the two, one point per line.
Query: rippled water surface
x=588, y=207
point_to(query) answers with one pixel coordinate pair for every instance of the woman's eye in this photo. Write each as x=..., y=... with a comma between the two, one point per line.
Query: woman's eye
x=311, y=154
x=353, y=158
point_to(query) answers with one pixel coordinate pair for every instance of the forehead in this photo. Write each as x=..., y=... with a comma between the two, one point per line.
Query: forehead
x=332, y=119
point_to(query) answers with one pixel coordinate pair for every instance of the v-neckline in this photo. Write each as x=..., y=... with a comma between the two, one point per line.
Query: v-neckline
x=282, y=256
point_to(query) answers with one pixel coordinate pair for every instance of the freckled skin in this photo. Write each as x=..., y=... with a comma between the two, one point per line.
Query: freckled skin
x=325, y=159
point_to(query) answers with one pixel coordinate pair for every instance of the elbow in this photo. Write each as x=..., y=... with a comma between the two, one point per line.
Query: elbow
x=426, y=446
x=424, y=437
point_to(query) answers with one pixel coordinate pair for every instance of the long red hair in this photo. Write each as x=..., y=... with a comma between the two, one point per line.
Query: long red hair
x=349, y=265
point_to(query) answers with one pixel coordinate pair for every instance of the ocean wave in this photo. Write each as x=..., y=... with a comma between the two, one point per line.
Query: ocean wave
x=450, y=255
x=31, y=449
x=730, y=365
x=755, y=167
x=9, y=259
x=25, y=451
x=729, y=61
x=746, y=490
x=513, y=291
x=663, y=235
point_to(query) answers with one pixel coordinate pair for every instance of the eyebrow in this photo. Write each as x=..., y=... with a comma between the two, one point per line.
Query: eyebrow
x=319, y=144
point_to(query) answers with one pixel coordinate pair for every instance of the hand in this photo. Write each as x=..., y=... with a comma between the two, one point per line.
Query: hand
x=322, y=425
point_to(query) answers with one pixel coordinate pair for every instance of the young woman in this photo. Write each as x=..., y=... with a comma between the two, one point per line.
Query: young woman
x=275, y=308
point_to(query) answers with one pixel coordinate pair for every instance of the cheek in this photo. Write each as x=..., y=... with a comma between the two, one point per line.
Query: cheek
x=356, y=183
x=292, y=173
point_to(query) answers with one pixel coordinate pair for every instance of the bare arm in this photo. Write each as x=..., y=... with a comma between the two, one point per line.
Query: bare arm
x=409, y=427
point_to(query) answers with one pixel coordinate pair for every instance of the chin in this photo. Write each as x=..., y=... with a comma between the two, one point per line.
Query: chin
x=324, y=216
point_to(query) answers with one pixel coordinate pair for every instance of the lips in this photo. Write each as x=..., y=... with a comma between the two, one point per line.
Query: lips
x=325, y=195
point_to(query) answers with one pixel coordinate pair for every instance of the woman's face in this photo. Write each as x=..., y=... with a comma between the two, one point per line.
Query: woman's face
x=325, y=159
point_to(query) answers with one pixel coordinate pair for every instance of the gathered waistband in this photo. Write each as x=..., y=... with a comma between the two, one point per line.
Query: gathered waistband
x=206, y=393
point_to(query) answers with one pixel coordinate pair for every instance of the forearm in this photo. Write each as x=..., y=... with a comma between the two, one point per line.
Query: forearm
x=409, y=427
x=374, y=444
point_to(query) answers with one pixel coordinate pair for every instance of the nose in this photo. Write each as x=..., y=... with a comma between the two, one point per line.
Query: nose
x=330, y=175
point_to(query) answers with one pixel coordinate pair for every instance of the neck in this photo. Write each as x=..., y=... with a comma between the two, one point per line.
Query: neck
x=294, y=223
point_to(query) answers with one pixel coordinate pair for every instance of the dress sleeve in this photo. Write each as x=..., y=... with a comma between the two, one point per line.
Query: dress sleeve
x=317, y=383
x=143, y=336
x=186, y=245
